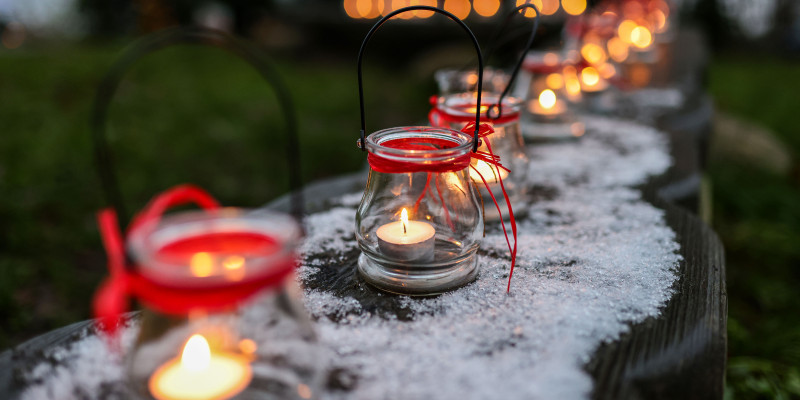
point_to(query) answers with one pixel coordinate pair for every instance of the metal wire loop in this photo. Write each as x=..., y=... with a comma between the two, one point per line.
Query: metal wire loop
x=187, y=35
x=377, y=25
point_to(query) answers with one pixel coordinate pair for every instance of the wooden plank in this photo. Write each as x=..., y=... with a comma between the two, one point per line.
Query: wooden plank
x=681, y=354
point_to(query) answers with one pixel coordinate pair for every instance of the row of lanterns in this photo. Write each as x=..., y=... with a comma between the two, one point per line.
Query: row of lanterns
x=419, y=225
x=370, y=9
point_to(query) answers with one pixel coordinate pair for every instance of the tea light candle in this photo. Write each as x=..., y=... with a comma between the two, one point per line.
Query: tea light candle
x=407, y=240
x=200, y=374
x=547, y=104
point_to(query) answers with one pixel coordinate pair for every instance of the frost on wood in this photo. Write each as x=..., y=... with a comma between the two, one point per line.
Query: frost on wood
x=593, y=258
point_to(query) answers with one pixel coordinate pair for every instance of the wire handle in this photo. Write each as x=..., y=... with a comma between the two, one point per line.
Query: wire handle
x=476, y=138
x=498, y=107
x=187, y=35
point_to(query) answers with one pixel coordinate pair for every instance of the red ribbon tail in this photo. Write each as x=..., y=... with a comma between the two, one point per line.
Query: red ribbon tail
x=493, y=160
x=110, y=300
x=109, y=303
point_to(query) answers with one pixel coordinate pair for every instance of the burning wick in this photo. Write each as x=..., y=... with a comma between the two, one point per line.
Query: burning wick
x=547, y=99
x=404, y=221
x=407, y=240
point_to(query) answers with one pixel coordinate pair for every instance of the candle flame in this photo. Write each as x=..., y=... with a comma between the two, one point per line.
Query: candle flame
x=625, y=30
x=547, y=99
x=472, y=110
x=641, y=37
x=593, y=53
x=233, y=262
x=590, y=76
x=196, y=354
x=404, y=220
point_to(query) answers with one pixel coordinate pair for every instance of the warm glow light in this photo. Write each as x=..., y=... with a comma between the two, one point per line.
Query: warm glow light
x=593, y=53
x=453, y=182
x=472, y=79
x=233, y=262
x=398, y=4
x=459, y=8
x=529, y=13
x=404, y=220
x=547, y=99
x=625, y=29
x=555, y=81
x=201, y=264
x=573, y=7
x=234, y=267
x=423, y=13
x=486, y=8
x=248, y=346
x=590, y=76
x=550, y=59
x=200, y=374
x=487, y=171
x=660, y=20
x=350, y=7
x=549, y=7
x=641, y=37
x=196, y=354
x=617, y=49
x=573, y=86
x=472, y=110
x=364, y=8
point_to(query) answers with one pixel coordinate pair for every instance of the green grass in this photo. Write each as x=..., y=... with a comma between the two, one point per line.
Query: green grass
x=757, y=215
x=186, y=114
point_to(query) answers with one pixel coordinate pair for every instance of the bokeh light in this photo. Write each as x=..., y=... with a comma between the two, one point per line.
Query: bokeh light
x=459, y=8
x=573, y=7
x=486, y=8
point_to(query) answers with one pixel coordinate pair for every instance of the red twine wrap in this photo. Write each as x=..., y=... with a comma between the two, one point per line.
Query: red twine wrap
x=385, y=165
x=111, y=299
x=465, y=112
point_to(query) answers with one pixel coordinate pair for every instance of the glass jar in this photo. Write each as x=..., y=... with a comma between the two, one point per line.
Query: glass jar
x=456, y=111
x=419, y=223
x=552, y=91
x=223, y=315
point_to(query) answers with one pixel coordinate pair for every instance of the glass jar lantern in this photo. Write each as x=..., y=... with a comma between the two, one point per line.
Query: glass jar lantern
x=552, y=92
x=419, y=223
x=456, y=111
x=222, y=314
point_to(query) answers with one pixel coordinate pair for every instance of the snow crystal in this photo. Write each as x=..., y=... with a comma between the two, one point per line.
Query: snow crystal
x=593, y=258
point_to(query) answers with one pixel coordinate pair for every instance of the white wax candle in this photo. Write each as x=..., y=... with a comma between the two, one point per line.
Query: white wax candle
x=200, y=374
x=407, y=240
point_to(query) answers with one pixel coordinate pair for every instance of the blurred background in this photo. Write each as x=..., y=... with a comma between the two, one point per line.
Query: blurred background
x=195, y=114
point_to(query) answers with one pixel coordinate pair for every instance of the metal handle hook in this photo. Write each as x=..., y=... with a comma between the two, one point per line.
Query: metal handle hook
x=377, y=25
x=187, y=35
x=498, y=107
